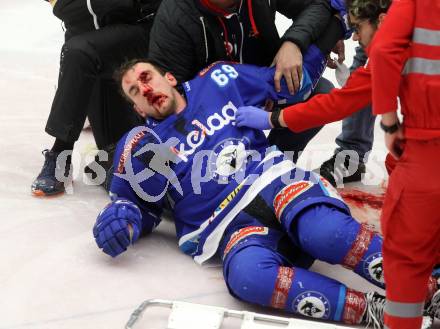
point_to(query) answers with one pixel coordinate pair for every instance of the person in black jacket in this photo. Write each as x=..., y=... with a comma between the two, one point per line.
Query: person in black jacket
x=98, y=38
x=188, y=35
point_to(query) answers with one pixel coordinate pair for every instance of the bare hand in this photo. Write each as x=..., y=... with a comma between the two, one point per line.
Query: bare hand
x=338, y=49
x=288, y=63
x=395, y=143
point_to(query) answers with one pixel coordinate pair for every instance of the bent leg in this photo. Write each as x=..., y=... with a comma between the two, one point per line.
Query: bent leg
x=357, y=134
x=78, y=69
x=333, y=236
x=358, y=129
x=111, y=116
x=87, y=59
x=259, y=275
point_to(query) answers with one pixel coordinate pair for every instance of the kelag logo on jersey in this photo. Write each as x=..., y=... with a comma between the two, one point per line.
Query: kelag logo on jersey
x=228, y=158
x=313, y=304
x=213, y=123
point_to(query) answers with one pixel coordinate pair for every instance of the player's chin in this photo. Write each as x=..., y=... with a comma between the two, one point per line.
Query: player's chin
x=159, y=114
x=163, y=102
x=165, y=109
x=143, y=113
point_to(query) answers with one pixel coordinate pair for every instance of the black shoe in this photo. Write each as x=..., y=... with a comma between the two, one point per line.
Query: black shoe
x=340, y=173
x=106, y=165
x=46, y=183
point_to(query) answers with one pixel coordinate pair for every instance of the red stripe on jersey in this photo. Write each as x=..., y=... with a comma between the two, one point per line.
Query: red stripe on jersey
x=282, y=287
x=354, y=308
x=359, y=247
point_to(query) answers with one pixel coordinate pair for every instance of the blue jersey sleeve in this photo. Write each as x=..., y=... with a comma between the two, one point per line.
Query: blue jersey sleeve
x=265, y=76
x=131, y=181
x=253, y=84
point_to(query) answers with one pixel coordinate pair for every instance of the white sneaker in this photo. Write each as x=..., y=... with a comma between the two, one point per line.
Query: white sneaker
x=427, y=322
x=374, y=313
x=373, y=317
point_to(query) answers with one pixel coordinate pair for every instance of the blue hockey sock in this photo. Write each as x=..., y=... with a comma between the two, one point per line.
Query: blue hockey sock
x=256, y=274
x=333, y=236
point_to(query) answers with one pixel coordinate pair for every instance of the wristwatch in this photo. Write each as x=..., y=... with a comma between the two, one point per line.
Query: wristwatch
x=390, y=129
x=275, y=118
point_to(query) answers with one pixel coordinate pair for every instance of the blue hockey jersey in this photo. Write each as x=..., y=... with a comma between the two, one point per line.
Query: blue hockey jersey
x=198, y=161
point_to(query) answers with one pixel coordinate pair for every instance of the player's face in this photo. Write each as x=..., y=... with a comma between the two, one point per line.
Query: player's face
x=364, y=30
x=152, y=93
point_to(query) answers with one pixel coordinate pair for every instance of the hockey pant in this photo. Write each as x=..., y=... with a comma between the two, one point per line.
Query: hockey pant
x=268, y=266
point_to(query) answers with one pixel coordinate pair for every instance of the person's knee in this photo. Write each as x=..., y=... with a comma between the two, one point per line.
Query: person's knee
x=324, y=86
x=326, y=233
x=248, y=270
x=79, y=52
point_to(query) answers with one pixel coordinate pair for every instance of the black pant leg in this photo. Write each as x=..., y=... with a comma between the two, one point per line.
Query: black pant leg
x=85, y=85
x=287, y=140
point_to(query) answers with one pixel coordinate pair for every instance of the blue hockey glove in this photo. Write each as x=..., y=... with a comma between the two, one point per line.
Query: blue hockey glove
x=252, y=117
x=112, y=228
x=341, y=8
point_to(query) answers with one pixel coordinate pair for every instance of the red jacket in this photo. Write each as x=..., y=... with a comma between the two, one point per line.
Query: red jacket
x=335, y=106
x=409, y=38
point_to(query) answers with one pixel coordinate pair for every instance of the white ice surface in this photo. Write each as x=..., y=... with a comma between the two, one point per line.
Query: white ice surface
x=52, y=275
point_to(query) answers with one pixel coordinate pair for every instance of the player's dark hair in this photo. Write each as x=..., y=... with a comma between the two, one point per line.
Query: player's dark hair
x=368, y=9
x=127, y=66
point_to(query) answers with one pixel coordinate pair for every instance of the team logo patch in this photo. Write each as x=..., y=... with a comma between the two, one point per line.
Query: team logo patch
x=312, y=304
x=373, y=267
x=227, y=159
x=287, y=194
x=243, y=233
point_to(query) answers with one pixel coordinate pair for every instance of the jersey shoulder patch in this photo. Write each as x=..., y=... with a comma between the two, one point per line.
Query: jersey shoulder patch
x=128, y=144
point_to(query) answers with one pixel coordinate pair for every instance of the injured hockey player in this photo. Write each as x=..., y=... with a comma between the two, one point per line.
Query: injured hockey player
x=233, y=196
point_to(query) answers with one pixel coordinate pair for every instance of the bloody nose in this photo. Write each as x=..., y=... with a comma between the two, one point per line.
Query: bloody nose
x=144, y=88
x=142, y=83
